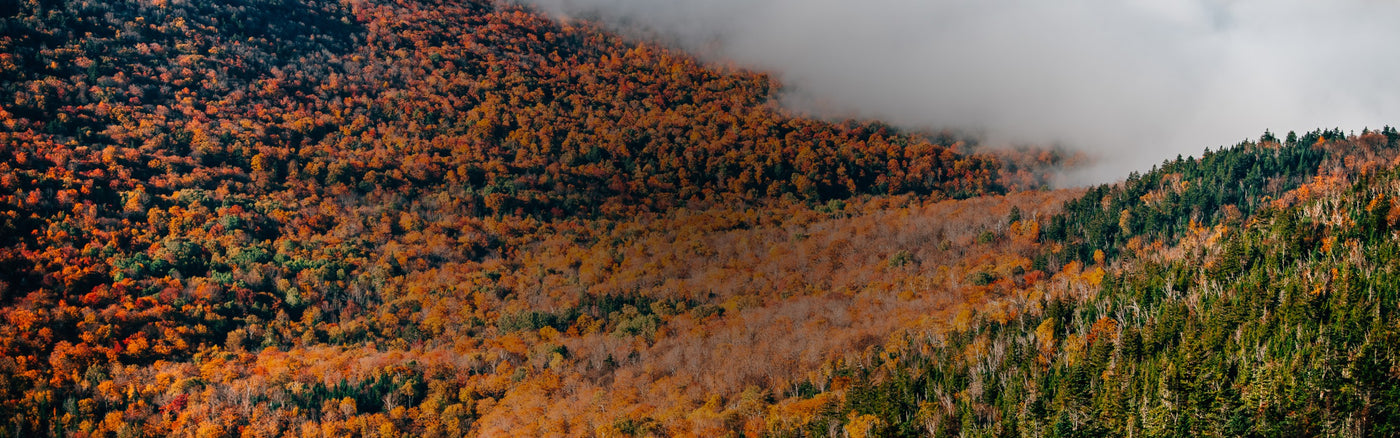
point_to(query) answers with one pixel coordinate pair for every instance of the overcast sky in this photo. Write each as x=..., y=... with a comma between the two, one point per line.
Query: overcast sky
x=1130, y=81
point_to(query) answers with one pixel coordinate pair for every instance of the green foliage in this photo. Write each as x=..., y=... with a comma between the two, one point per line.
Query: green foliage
x=983, y=278
x=900, y=258
x=1270, y=333
x=531, y=320
x=1160, y=204
x=375, y=394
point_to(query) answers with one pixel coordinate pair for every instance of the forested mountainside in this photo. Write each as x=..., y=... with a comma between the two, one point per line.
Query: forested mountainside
x=423, y=219
x=1270, y=315
x=375, y=218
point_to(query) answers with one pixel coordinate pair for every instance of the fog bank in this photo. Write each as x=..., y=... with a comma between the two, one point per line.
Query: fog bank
x=1132, y=82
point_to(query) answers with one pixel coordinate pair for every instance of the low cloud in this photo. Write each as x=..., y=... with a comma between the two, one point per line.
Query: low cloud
x=1132, y=82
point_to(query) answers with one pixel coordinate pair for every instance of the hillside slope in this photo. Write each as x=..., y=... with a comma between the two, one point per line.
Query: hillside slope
x=365, y=218
x=362, y=217
x=1271, y=314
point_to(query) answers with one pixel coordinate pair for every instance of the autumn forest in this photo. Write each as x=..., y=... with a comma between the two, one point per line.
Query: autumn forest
x=329, y=218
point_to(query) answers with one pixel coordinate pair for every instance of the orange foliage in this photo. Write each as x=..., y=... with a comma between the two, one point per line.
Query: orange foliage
x=339, y=218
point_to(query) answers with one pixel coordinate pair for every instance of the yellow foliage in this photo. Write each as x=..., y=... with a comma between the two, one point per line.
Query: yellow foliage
x=963, y=320
x=796, y=412
x=548, y=333
x=209, y=429
x=1045, y=334
x=863, y=426
x=1094, y=277
x=112, y=421
x=1072, y=346
x=386, y=429
x=347, y=406
x=977, y=349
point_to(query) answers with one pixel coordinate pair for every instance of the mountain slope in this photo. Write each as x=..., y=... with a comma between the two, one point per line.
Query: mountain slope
x=1271, y=323
x=271, y=217
x=348, y=215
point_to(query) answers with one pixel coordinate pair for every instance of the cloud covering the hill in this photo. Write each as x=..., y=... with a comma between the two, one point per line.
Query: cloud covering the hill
x=1130, y=81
